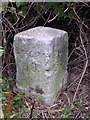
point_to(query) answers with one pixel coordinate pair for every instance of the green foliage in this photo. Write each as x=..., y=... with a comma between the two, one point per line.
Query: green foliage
x=20, y=9
x=18, y=4
x=55, y=6
x=60, y=10
x=23, y=11
x=51, y=4
x=78, y=104
x=16, y=102
x=35, y=113
x=4, y=96
x=66, y=113
x=17, y=98
x=5, y=85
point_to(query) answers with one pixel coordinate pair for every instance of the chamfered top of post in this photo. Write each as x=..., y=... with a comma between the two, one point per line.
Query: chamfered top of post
x=41, y=33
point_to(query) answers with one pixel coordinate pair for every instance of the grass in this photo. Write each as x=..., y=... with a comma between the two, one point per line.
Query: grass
x=23, y=106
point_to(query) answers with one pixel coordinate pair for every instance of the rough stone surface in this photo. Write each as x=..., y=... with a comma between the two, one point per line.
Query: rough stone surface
x=41, y=61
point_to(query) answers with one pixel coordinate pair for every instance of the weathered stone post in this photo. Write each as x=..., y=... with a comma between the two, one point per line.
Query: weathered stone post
x=41, y=59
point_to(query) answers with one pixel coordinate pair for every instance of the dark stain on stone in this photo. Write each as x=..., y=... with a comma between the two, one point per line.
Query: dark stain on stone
x=47, y=70
x=39, y=90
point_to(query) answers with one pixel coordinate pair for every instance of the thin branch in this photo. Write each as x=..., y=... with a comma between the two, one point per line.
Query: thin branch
x=67, y=97
x=79, y=20
x=86, y=65
x=53, y=18
x=47, y=19
x=32, y=108
x=10, y=24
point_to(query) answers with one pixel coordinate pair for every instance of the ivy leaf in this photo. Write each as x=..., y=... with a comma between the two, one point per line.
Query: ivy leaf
x=23, y=11
x=18, y=4
x=14, y=18
x=70, y=15
x=51, y=5
x=61, y=12
x=18, y=97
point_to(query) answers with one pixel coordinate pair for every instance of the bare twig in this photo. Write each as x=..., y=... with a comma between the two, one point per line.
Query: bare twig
x=53, y=18
x=86, y=64
x=48, y=18
x=67, y=97
x=78, y=18
x=10, y=24
x=73, y=82
x=26, y=13
x=32, y=109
